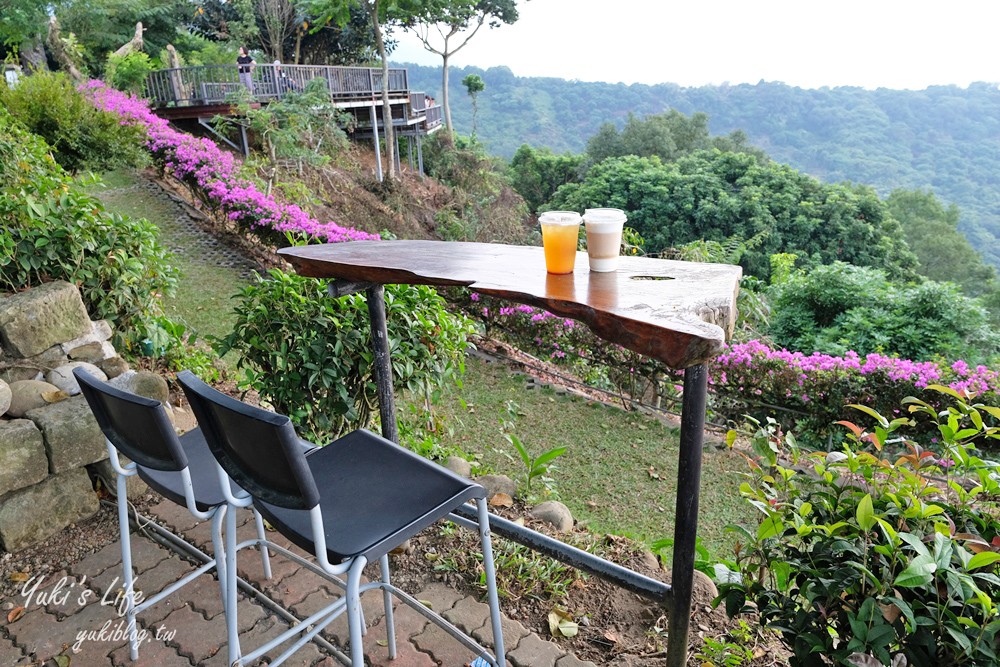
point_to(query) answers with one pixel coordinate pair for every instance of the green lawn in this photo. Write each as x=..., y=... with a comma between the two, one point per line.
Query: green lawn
x=619, y=473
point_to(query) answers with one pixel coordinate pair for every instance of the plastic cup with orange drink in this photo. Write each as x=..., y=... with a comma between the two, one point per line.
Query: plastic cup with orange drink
x=560, y=231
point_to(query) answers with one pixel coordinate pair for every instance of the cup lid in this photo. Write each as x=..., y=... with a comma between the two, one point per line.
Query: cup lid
x=559, y=218
x=605, y=215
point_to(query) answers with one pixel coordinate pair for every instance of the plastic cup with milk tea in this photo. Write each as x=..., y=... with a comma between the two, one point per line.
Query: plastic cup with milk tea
x=560, y=231
x=604, y=237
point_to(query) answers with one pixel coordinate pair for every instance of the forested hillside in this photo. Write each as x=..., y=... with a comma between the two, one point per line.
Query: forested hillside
x=943, y=138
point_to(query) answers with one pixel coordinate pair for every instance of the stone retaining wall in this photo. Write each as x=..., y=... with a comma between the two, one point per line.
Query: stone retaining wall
x=50, y=445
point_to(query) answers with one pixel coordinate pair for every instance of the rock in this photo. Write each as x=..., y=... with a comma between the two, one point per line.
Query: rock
x=103, y=470
x=62, y=377
x=28, y=395
x=97, y=332
x=32, y=514
x=143, y=383
x=5, y=396
x=92, y=352
x=34, y=367
x=72, y=437
x=553, y=513
x=704, y=589
x=650, y=560
x=113, y=366
x=22, y=455
x=33, y=321
x=495, y=484
x=459, y=466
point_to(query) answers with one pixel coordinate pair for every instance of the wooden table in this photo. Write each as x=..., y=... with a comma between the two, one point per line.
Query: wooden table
x=680, y=313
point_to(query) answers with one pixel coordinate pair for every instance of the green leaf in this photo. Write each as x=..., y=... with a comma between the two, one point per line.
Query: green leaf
x=983, y=559
x=871, y=413
x=866, y=513
x=772, y=526
x=919, y=572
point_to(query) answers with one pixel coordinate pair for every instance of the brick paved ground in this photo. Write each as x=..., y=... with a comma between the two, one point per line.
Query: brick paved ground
x=77, y=618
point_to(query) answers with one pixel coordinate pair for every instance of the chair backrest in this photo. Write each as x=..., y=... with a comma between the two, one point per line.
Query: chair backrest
x=258, y=449
x=137, y=426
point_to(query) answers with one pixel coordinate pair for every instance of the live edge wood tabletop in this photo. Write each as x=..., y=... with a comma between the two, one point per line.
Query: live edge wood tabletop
x=680, y=313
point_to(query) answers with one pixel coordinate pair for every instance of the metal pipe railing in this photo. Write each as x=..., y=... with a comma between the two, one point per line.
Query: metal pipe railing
x=209, y=84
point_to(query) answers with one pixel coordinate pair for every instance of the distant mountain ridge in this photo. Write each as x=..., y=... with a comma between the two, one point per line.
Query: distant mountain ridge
x=944, y=138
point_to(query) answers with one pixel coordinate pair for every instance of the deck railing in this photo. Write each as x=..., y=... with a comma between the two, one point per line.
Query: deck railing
x=213, y=84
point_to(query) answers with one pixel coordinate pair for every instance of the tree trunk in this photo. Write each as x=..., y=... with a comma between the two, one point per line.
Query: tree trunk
x=134, y=44
x=32, y=55
x=176, y=82
x=444, y=90
x=388, y=130
x=59, y=51
x=298, y=46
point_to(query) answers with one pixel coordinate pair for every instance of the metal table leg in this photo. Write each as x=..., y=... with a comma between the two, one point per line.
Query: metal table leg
x=686, y=518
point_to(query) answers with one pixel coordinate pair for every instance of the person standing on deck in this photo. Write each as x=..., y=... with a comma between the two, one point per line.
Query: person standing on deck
x=246, y=64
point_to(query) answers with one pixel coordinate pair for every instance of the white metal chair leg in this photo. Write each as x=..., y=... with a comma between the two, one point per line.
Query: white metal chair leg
x=265, y=558
x=390, y=625
x=129, y=581
x=491, y=582
x=232, y=627
x=354, y=612
x=219, y=552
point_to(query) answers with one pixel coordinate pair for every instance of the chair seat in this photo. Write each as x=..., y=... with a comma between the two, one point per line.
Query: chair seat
x=374, y=495
x=204, y=475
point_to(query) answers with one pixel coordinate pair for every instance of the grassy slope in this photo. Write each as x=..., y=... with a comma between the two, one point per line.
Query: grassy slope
x=620, y=471
x=202, y=302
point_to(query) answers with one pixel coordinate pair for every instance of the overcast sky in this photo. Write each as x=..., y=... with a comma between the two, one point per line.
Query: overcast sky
x=807, y=43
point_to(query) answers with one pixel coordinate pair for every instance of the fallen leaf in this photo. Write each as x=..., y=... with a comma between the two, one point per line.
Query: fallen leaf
x=62, y=660
x=18, y=577
x=501, y=500
x=890, y=612
x=54, y=396
x=611, y=637
x=15, y=613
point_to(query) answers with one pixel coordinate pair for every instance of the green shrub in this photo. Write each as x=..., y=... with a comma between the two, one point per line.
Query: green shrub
x=50, y=229
x=81, y=136
x=484, y=206
x=310, y=355
x=128, y=73
x=860, y=558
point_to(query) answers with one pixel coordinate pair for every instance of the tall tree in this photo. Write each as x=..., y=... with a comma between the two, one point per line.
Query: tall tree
x=474, y=85
x=459, y=20
x=931, y=230
x=280, y=19
x=382, y=13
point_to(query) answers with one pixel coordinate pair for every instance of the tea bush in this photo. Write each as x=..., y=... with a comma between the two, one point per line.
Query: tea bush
x=310, y=355
x=50, y=229
x=81, y=136
x=861, y=556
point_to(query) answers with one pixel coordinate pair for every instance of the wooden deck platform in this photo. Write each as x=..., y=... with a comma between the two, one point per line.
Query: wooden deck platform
x=207, y=91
